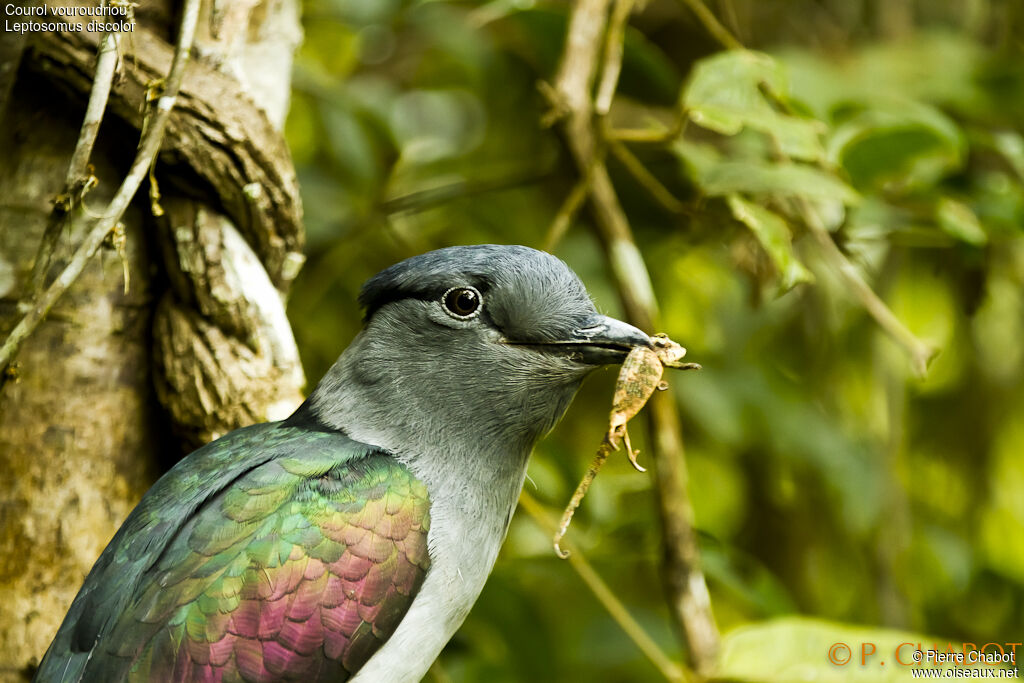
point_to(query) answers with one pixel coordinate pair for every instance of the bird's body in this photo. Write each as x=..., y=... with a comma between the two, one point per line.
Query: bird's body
x=350, y=541
x=242, y=569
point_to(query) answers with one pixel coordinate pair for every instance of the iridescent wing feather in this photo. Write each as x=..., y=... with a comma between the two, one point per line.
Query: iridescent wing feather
x=297, y=567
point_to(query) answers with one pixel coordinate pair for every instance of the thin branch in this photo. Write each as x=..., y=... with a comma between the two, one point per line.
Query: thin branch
x=149, y=145
x=649, y=135
x=646, y=179
x=684, y=575
x=668, y=668
x=717, y=30
x=731, y=17
x=921, y=353
x=422, y=200
x=579, y=58
x=76, y=183
x=613, y=49
x=688, y=595
x=571, y=205
x=106, y=67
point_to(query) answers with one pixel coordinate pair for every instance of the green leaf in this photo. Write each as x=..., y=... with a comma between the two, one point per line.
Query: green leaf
x=698, y=157
x=727, y=92
x=896, y=143
x=774, y=235
x=784, y=180
x=793, y=649
x=958, y=220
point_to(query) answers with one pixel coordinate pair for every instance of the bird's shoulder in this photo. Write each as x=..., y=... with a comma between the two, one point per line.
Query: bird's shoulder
x=276, y=548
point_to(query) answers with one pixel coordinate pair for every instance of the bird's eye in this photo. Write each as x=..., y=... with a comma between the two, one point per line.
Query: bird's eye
x=462, y=302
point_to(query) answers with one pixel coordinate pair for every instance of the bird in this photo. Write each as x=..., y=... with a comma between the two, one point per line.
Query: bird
x=349, y=541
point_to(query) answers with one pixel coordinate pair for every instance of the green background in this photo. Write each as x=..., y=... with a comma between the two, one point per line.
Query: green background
x=828, y=479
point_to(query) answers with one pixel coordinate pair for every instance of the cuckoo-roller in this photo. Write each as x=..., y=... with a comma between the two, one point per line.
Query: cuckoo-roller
x=349, y=541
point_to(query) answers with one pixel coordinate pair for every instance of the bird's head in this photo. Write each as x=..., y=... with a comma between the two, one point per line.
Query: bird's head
x=475, y=341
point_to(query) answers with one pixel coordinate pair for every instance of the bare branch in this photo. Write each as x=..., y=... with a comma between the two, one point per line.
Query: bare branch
x=613, y=48
x=691, y=605
x=571, y=205
x=669, y=669
x=921, y=354
x=423, y=200
x=717, y=30
x=651, y=136
x=646, y=179
x=149, y=145
x=76, y=184
x=216, y=129
x=106, y=67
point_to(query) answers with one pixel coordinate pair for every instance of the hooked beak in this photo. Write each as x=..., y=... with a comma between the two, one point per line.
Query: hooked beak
x=599, y=341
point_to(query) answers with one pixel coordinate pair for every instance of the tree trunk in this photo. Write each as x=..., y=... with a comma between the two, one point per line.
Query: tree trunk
x=123, y=377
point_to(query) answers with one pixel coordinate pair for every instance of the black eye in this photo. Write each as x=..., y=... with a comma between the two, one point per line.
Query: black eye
x=462, y=302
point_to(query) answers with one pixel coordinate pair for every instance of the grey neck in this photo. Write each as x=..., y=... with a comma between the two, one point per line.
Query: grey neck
x=465, y=421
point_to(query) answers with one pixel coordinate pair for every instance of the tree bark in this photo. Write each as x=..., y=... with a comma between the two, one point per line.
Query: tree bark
x=118, y=382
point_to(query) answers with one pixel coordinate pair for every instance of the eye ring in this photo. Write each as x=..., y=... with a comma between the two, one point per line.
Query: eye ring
x=462, y=303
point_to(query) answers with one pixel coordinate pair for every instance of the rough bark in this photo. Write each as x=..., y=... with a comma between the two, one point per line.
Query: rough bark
x=217, y=132
x=115, y=385
x=77, y=426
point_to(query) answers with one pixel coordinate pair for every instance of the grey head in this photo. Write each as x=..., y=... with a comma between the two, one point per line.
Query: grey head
x=475, y=344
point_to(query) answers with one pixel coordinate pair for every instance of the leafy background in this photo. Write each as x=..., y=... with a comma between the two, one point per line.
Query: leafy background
x=829, y=478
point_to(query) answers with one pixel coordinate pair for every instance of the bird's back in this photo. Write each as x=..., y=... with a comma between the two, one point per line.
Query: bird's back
x=275, y=553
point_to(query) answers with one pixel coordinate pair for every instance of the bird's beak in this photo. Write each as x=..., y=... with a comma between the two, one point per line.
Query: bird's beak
x=600, y=340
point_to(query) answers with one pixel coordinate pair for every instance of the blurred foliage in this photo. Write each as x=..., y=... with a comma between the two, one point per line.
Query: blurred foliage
x=828, y=479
